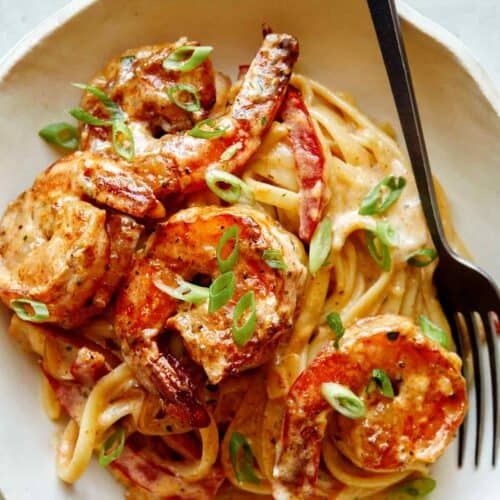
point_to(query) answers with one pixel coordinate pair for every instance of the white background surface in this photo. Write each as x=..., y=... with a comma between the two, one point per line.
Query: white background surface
x=475, y=22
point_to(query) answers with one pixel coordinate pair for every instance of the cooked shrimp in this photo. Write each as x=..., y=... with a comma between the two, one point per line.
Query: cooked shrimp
x=138, y=83
x=415, y=425
x=58, y=248
x=185, y=247
x=177, y=162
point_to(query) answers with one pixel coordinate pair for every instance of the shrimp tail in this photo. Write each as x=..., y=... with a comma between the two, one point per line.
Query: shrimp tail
x=165, y=374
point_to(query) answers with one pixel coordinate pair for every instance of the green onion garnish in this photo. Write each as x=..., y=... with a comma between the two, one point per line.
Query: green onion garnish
x=82, y=115
x=274, y=259
x=204, y=133
x=422, y=257
x=61, y=134
x=112, y=447
x=321, y=244
x=415, y=488
x=178, y=60
x=375, y=203
x=236, y=186
x=112, y=107
x=193, y=105
x=221, y=291
x=242, y=334
x=387, y=234
x=40, y=310
x=187, y=292
x=334, y=321
x=123, y=140
x=383, y=382
x=379, y=240
x=231, y=233
x=432, y=331
x=230, y=151
x=243, y=466
x=343, y=400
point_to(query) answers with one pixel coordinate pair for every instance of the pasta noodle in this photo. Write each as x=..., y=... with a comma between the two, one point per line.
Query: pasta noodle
x=357, y=155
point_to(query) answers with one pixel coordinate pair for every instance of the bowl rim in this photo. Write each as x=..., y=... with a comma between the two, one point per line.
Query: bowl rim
x=461, y=53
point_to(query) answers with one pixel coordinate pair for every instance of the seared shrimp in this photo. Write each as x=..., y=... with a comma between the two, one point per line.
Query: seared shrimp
x=58, y=248
x=415, y=425
x=184, y=247
x=177, y=162
x=138, y=83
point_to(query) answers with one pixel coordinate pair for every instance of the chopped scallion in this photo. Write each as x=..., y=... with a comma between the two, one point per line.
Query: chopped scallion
x=343, y=400
x=40, y=310
x=334, y=321
x=432, y=331
x=274, y=259
x=186, y=58
x=201, y=131
x=187, y=292
x=236, y=186
x=221, y=291
x=61, y=134
x=231, y=233
x=123, y=140
x=246, y=305
x=422, y=257
x=112, y=447
x=375, y=202
x=242, y=459
x=190, y=106
x=321, y=244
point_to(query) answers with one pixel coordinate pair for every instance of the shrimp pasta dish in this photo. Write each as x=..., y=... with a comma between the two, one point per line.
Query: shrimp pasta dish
x=228, y=287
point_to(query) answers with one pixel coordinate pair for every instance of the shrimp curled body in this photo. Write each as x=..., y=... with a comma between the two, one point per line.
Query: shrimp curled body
x=58, y=247
x=176, y=162
x=184, y=247
x=414, y=426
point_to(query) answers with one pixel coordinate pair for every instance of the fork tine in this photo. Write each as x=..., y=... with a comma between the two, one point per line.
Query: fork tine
x=459, y=330
x=475, y=335
x=491, y=343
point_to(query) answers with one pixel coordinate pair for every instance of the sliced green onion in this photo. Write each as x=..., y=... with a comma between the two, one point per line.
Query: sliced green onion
x=379, y=240
x=123, y=140
x=40, y=310
x=61, y=134
x=383, y=382
x=192, y=106
x=242, y=334
x=187, y=292
x=387, y=234
x=231, y=233
x=321, y=244
x=243, y=466
x=432, y=331
x=230, y=151
x=375, y=203
x=221, y=291
x=83, y=116
x=203, y=133
x=112, y=107
x=415, y=488
x=422, y=257
x=178, y=60
x=274, y=259
x=236, y=186
x=334, y=321
x=343, y=400
x=112, y=447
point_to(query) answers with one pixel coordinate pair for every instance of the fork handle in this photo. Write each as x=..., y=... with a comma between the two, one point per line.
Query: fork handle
x=386, y=23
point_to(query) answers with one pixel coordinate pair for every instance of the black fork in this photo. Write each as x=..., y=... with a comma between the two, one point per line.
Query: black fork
x=470, y=297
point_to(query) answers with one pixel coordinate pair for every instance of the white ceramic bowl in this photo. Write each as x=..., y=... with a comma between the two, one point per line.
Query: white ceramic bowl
x=460, y=112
